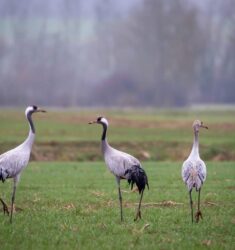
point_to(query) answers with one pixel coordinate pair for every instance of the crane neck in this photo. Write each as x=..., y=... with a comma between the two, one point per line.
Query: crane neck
x=31, y=125
x=103, y=138
x=104, y=142
x=30, y=139
x=195, y=148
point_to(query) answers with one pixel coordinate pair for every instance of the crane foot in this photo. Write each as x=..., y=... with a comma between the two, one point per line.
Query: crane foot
x=5, y=207
x=198, y=215
x=138, y=215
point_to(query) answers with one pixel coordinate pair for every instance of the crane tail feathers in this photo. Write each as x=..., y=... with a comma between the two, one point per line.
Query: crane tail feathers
x=3, y=174
x=136, y=175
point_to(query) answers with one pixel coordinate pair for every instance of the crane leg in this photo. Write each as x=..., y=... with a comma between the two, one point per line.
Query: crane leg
x=120, y=201
x=119, y=196
x=138, y=213
x=5, y=207
x=191, y=203
x=199, y=213
x=13, y=199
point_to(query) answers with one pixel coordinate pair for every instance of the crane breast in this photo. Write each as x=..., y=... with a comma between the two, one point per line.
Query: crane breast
x=194, y=173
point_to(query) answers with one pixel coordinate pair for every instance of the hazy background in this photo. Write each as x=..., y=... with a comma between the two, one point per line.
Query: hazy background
x=117, y=53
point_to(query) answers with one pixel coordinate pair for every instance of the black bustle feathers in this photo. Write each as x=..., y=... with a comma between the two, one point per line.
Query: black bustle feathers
x=136, y=175
x=3, y=174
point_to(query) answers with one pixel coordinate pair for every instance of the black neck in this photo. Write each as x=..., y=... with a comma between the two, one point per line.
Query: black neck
x=31, y=122
x=104, y=132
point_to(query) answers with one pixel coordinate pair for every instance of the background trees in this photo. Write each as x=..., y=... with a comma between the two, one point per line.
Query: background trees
x=119, y=53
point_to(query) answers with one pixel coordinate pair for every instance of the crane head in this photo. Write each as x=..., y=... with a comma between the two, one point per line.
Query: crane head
x=100, y=120
x=33, y=109
x=197, y=124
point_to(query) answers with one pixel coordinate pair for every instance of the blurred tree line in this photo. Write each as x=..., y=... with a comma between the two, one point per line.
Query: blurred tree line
x=106, y=52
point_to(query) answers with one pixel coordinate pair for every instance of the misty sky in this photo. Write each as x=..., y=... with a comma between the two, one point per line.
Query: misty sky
x=119, y=53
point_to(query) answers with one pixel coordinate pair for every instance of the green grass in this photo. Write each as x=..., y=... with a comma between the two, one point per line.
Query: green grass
x=75, y=206
x=64, y=135
x=124, y=126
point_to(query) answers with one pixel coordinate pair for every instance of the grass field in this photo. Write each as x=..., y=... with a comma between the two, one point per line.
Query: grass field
x=75, y=206
x=67, y=199
x=149, y=135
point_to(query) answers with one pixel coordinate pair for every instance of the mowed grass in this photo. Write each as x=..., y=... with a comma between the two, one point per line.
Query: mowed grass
x=75, y=206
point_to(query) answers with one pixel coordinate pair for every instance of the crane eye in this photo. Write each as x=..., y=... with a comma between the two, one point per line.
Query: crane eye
x=35, y=107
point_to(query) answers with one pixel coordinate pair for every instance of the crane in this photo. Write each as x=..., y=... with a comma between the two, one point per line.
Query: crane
x=123, y=166
x=194, y=169
x=14, y=161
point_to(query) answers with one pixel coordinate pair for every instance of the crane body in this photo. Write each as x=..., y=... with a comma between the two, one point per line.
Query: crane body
x=194, y=170
x=15, y=160
x=122, y=166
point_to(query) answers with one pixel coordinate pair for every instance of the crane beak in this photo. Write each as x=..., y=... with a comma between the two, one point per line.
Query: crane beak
x=92, y=122
x=41, y=110
x=202, y=126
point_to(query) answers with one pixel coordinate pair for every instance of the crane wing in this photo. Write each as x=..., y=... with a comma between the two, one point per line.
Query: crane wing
x=126, y=166
x=201, y=170
x=13, y=161
x=118, y=162
x=186, y=168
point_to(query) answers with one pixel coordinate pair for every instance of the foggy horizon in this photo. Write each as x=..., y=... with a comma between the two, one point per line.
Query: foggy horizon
x=145, y=53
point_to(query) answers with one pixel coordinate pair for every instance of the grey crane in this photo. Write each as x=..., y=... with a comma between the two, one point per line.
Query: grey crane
x=194, y=169
x=123, y=166
x=14, y=161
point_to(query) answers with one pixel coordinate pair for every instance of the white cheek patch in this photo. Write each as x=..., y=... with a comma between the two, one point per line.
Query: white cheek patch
x=28, y=109
x=104, y=121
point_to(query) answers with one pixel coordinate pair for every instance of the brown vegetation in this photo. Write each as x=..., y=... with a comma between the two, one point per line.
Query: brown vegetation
x=147, y=151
